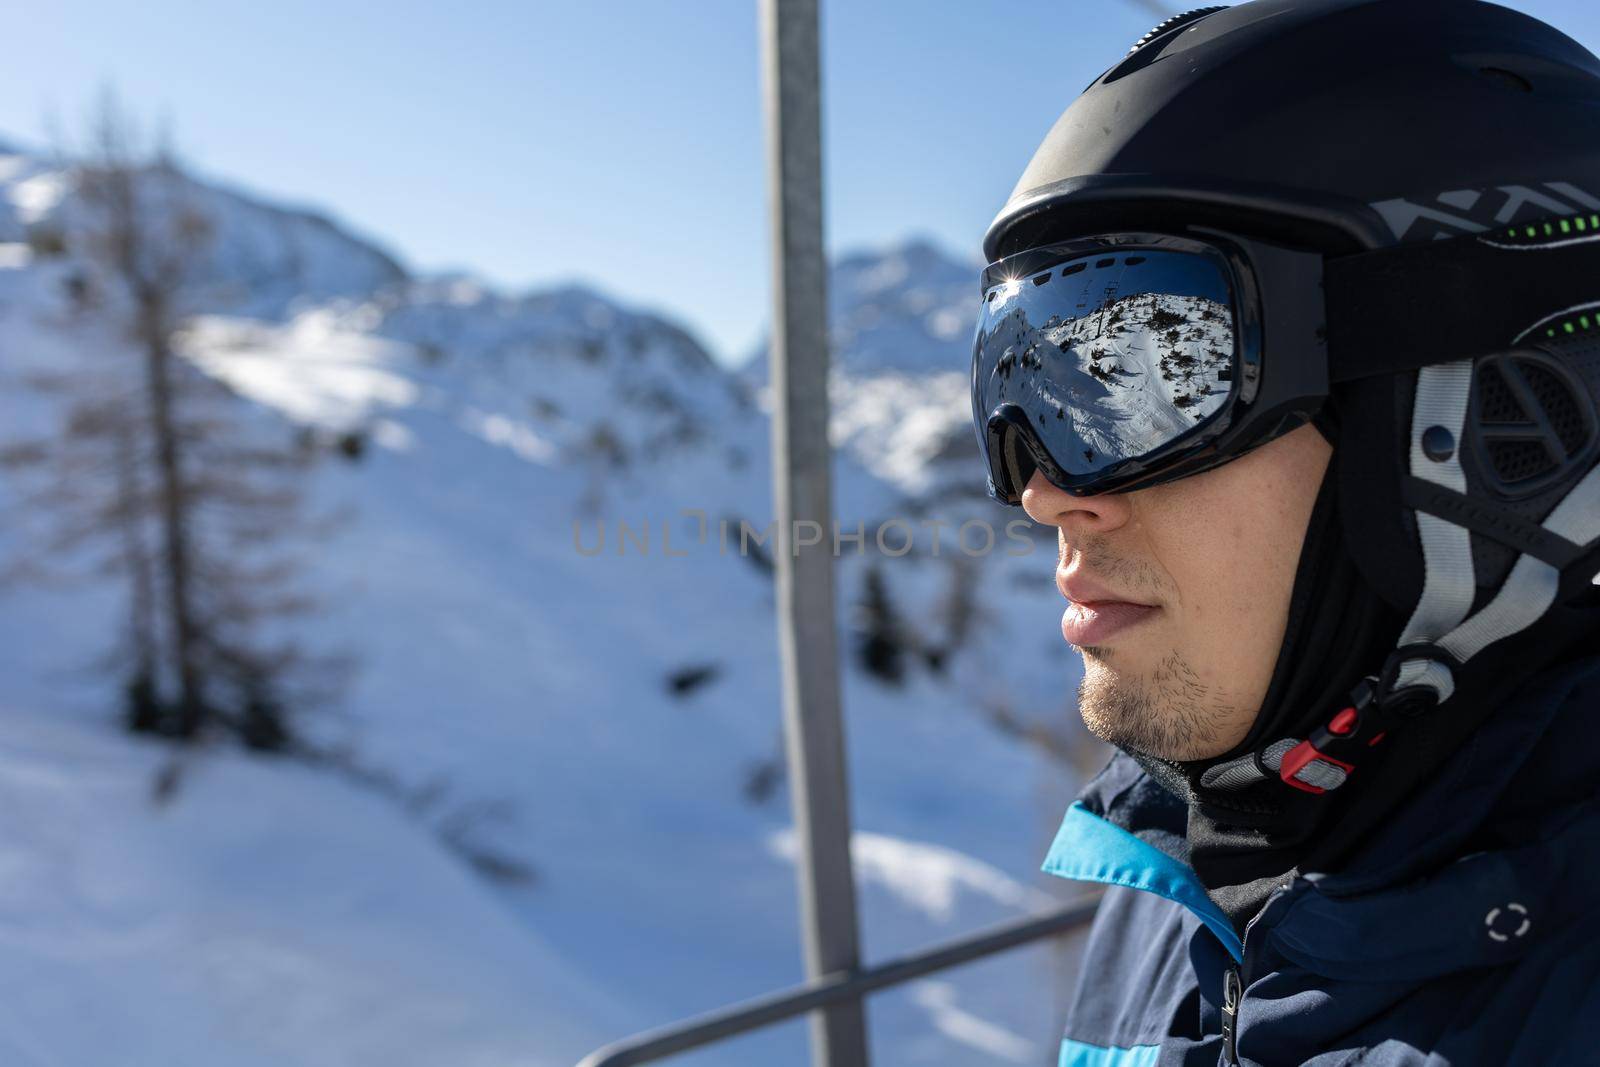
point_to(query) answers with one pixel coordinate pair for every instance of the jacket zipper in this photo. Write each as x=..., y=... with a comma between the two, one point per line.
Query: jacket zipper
x=1233, y=983
x=1232, y=991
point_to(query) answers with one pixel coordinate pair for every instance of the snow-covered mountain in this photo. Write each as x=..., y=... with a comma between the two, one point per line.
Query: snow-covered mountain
x=565, y=657
x=908, y=308
x=901, y=333
x=260, y=258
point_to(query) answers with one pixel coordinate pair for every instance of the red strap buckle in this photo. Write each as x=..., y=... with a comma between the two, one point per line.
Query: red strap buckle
x=1297, y=758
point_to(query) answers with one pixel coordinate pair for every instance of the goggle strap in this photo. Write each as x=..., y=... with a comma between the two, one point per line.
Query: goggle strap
x=1404, y=308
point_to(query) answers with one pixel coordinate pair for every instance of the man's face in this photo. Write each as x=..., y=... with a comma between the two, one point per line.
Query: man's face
x=1181, y=594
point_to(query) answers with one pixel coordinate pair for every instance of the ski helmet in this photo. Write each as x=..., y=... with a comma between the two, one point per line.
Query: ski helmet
x=1384, y=212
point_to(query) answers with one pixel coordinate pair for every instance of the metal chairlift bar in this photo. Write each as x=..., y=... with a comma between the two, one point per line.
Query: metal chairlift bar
x=836, y=989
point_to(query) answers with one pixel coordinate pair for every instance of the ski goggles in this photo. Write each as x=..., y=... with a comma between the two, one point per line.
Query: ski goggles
x=1127, y=359
x=1124, y=360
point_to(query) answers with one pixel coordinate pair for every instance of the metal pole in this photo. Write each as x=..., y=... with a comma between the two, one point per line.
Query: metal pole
x=813, y=728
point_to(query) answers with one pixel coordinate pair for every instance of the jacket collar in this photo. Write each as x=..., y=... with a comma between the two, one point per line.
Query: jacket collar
x=1126, y=829
x=1090, y=848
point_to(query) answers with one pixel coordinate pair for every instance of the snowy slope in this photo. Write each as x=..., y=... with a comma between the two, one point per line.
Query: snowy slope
x=264, y=915
x=510, y=670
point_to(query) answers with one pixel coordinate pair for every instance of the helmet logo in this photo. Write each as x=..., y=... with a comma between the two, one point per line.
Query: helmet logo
x=1458, y=211
x=1534, y=423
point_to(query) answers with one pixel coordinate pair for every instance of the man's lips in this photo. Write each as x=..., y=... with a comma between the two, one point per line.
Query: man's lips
x=1096, y=614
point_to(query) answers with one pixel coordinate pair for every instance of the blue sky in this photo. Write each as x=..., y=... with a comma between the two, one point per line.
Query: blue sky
x=618, y=144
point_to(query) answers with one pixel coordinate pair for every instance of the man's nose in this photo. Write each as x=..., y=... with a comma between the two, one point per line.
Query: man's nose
x=1047, y=503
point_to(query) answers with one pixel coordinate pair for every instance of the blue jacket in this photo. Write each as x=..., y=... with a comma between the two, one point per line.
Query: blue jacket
x=1415, y=952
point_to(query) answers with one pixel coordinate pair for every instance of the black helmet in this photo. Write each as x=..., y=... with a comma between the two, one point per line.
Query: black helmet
x=1336, y=124
x=1398, y=204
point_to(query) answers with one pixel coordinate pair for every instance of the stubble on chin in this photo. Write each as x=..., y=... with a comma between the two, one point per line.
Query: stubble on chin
x=1165, y=711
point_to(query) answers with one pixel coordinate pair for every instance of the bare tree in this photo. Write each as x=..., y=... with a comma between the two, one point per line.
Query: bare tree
x=186, y=497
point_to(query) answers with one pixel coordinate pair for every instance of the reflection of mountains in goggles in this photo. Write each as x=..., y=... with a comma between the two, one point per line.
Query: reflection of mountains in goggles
x=1110, y=356
x=1124, y=360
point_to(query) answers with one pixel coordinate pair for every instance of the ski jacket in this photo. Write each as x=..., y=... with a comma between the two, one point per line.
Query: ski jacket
x=1465, y=931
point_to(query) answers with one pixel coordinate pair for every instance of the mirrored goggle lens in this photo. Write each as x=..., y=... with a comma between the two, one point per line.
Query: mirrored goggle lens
x=1109, y=356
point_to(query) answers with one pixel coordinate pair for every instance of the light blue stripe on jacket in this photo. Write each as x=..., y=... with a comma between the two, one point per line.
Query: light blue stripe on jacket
x=1091, y=849
x=1082, y=1054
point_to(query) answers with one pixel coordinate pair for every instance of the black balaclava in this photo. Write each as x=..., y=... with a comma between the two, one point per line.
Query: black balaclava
x=1242, y=844
x=1246, y=842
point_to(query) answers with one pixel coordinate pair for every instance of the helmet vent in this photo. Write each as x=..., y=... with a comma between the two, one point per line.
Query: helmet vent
x=1534, y=422
x=1148, y=49
x=1507, y=78
x=1183, y=18
x=1553, y=395
x=1495, y=402
x=1515, y=462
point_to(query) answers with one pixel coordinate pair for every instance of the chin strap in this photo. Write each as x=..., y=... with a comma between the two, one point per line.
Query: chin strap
x=1440, y=636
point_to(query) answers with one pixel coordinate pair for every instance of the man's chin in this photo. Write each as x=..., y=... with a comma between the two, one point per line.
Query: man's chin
x=1163, y=712
x=1112, y=705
